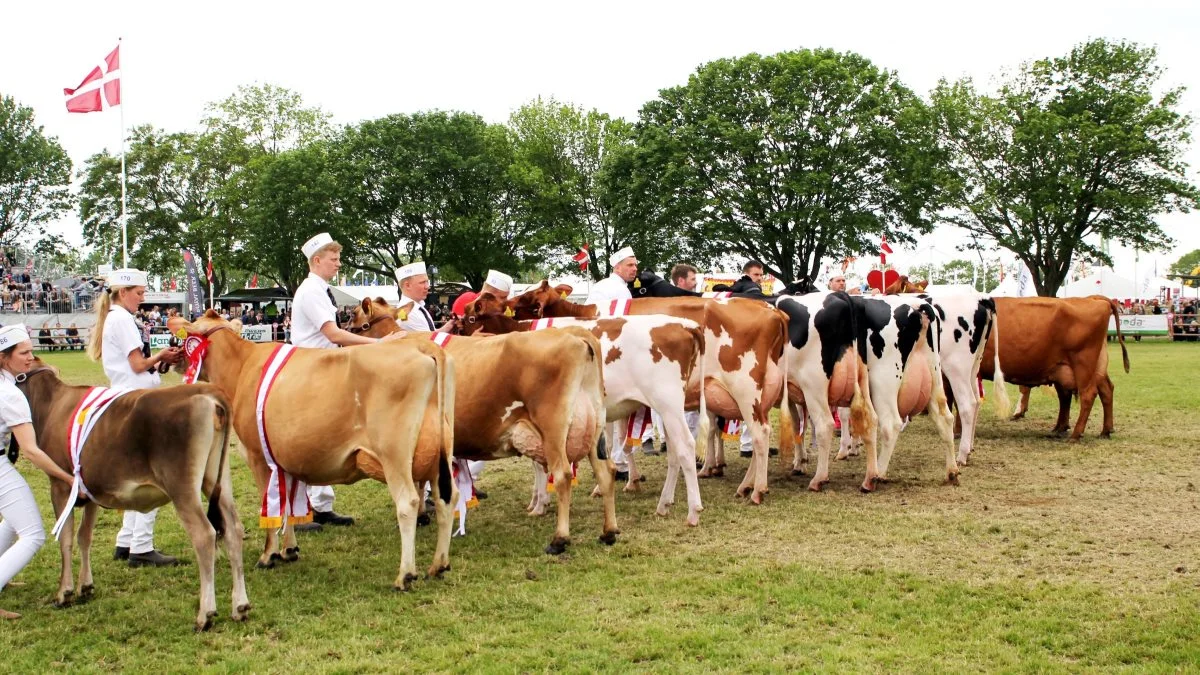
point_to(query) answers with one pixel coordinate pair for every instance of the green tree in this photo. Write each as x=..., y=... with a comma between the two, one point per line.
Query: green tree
x=173, y=198
x=789, y=158
x=1186, y=263
x=268, y=119
x=1069, y=149
x=35, y=174
x=437, y=187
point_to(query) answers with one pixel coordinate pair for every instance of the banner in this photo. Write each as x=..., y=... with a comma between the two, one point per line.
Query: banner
x=195, y=294
x=261, y=333
x=1140, y=324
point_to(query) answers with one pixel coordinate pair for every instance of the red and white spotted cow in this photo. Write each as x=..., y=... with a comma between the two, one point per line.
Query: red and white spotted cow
x=743, y=348
x=648, y=361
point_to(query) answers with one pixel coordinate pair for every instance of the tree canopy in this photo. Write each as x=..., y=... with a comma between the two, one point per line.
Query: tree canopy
x=35, y=173
x=1069, y=151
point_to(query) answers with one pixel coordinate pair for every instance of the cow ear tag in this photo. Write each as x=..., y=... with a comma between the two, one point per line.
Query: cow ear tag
x=403, y=315
x=637, y=283
x=181, y=334
x=508, y=312
x=564, y=295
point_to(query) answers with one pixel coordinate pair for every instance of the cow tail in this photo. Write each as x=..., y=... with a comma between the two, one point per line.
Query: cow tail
x=214, y=498
x=445, y=389
x=787, y=425
x=1116, y=313
x=999, y=391
x=705, y=426
x=860, y=417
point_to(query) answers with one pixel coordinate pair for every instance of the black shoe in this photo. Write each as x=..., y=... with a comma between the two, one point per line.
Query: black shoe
x=121, y=553
x=664, y=447
x=774, y=452
x=152, y=559
x=480, y=494
x=747, y=453
x=622, y=476
x=648, y=448
x=331, y=518
x=308, y=527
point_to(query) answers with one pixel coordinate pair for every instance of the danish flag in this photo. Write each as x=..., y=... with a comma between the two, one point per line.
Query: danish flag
x=582, y=258
x=884, y=249
x=104, y=77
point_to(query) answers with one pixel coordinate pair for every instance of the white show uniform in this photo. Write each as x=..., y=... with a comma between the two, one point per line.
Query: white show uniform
x=604, y=292
x=312, y=307
x=21, y=532
x=121, y=336
x=419, y=319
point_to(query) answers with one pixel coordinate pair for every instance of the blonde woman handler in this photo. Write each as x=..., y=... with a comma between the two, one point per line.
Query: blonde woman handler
x=117, y=343
x=21, y=532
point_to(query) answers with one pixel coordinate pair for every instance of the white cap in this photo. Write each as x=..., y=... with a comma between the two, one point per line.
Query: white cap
x=127, y=277
x=12, y=335
x=313, y=245
x=499, y=281
x=617, y=257
x=412, y=269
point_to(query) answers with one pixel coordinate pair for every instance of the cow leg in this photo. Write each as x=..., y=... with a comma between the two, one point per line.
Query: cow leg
x=232, y=539
x=443, y=508
x=712, y=445
x=821, y=420
x=541, y=495
x=407, y=499
x=204, y=540
x=262, y=475
x=86, y=527
x=66, y=582
x=1106, y=389
x=561, y=469
x=606, y=484
x=1063, y=424
x=846, y=447
x=1087, y=397
x=634, y=484
x=965, y=395
x=800, y=457
x=754, y=484
x=682, y=448
x=889, y=433
x=939, y=411
x=1022, y=405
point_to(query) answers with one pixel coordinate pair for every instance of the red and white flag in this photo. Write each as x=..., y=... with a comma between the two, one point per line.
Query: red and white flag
x=100, y=90
x=253, y=282
x=884, y=249
x=582, y=258
x=208, y=271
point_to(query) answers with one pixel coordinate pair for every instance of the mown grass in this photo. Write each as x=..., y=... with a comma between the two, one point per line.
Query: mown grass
x=1049, y=556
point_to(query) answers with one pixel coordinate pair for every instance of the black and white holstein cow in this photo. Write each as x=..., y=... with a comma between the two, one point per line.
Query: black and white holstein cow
x=899, y=338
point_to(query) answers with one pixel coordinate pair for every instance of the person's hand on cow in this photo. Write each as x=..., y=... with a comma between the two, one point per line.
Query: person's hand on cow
x=171, y=355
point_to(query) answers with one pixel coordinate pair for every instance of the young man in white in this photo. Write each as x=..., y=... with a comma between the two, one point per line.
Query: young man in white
x=314, y=324
x=414, y=288
x=616, y=287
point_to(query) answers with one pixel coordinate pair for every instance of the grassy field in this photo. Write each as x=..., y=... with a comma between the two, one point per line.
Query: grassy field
x=1049, y=556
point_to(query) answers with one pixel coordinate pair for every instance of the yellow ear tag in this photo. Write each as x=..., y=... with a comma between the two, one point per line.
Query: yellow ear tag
x=181, y=334
x=508, y=312
x=637, y=283
x=564, y=295
x=403, y=315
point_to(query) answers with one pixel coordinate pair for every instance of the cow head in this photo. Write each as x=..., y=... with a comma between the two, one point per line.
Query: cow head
x=489, y=323
x=376, y=318
x=650, y=285
x=905, y=285
x=532, y=304
x=487, y=303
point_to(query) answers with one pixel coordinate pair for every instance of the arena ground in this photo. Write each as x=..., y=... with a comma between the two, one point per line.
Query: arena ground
x=1048, y=556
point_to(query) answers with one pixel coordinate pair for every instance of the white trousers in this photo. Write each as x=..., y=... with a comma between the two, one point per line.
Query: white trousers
x=137, y=531
x=476, y=469
x=321, y=497
x=21, y=532
x=747, y=443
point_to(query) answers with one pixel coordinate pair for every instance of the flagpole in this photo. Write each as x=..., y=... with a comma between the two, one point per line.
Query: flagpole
x=124, y=215
x=210, y=283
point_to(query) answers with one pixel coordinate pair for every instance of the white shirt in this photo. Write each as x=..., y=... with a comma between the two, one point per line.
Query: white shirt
x=14, y=407
x=607, y=290
x=121, y=336
x=419, y=318
x=311, y=309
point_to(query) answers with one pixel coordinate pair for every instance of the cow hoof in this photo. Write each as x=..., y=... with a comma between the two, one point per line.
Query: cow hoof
x=405, y=584
x=634, y=486
x=436, y=571
x=868, y=486
x=1016, y=417
x=841, y=457
x=291, y=554
x=816, y=485
x=65, y=599
x=268, y=564
x=756, y=497
x=557, y=546
x=539, y=511
x=952, y=478
x=608, y=538
x=1106, y=435
x=693, y=519
x=87, y=593
x=797, y=472
x=663, y=510
x=743, y=491
x=205, y=622
x=242, y=612
x=705, y=473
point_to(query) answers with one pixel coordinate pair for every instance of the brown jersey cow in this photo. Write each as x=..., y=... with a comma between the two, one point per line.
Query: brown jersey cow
x=1059, y=341
x=150, y=447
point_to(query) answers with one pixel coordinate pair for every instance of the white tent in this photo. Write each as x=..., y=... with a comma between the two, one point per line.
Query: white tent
x=1101, y=282
x=1154, y=287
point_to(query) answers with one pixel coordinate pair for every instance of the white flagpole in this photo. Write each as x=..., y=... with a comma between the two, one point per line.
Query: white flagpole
x=210, y=283
x=124, y=215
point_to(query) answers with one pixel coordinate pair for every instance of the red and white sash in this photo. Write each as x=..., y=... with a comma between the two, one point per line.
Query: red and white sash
x=574, y=477
x=723, y=295
x=638, y=423
x=615, y=308
x=286, y=495
x=731, y=430
x=541, y=324
x=87, y=413
x=440, y=339
x=194, y=347
x=466, y=494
